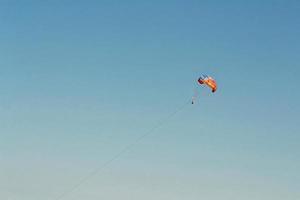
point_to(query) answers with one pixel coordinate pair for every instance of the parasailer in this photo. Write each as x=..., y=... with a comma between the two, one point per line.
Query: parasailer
x=206, y=81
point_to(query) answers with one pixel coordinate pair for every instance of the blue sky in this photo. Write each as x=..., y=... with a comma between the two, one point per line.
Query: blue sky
x=80, y=80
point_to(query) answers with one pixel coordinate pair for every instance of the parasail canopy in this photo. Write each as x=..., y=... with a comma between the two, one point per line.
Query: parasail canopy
x=208, y=81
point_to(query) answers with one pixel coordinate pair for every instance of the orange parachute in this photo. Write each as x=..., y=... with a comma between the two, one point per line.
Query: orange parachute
x=209, y=81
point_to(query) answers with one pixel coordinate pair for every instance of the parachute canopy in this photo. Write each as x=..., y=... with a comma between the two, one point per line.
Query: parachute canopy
x=208, y=81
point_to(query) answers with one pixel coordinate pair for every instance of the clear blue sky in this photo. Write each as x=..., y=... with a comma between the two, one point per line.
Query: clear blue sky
x=79, y=80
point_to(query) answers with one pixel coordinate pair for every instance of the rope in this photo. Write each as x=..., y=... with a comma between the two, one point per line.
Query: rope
x=120, y=153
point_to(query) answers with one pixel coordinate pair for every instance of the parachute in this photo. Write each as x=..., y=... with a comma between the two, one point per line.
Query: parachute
x=205, y=81
x=209, y=81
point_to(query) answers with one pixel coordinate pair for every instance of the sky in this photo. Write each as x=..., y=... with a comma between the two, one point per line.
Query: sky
x=80, y=80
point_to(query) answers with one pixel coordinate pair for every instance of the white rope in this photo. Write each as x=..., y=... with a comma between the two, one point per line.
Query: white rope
x=116, y=156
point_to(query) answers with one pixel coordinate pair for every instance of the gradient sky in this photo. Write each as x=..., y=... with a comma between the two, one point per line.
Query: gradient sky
x=80, y=80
